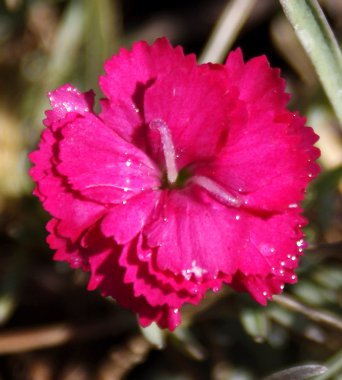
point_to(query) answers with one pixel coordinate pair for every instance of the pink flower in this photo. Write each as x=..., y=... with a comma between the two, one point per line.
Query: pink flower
x=189, y=178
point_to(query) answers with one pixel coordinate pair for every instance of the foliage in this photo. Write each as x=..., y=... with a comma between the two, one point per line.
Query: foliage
x=51, y=327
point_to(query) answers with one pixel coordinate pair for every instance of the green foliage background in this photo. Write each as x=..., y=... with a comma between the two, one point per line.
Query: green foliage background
x=50, y=326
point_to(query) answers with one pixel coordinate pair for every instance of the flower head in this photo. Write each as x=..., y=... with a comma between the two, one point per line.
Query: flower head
x=189, y=178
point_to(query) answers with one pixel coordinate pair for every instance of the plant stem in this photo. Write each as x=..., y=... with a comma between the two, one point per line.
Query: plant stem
x=227, y=28
x=35, y=338
x=317, y=38
x=320, y=316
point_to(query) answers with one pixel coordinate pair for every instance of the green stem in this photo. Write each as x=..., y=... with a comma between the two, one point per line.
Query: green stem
x=317, y=38
x=226, y=30
x=320, y=316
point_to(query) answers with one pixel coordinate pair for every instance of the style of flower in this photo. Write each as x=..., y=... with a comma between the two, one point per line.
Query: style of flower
x=189, y=178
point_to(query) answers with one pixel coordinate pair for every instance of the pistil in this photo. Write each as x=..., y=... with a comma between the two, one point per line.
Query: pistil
x=168, y=148
x=217, y=191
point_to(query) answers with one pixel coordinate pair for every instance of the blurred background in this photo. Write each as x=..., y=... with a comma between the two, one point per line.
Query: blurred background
x=51, y=328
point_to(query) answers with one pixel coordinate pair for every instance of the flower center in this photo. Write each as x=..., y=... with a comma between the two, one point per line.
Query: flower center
x=176, y=179
x=182, y=179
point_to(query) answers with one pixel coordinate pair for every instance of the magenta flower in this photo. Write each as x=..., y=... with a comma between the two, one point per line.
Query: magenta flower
x=189, y=178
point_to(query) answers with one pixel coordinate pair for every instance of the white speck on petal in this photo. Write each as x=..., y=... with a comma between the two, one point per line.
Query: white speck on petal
x=195, y=269
x=300, y=243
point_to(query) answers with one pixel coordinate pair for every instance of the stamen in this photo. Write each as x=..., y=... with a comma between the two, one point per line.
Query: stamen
x=168, y=148
x=217, y=190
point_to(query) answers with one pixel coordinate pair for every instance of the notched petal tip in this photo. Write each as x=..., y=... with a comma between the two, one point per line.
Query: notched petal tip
x=235, y=57
x=68, y=99
x=139, y=65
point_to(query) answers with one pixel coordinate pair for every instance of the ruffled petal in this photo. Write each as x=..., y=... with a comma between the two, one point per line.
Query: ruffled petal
x=73, y=212
x=67, y=100
x=107, y=275
x=196, y=232
x=125, y=119
x=124, y=221
x=269, y=156
x=66, y=249
x=259, y=85
x=101, y=165
x=128, y=75
x=206, y=239
x=195, y=105
x=271, y=168
x=155, y=287
x=130, y=71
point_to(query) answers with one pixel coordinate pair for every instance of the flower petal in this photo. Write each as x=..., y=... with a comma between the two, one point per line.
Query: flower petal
x=195, y=105
x=128, y=75
x=74, y=213
x=108, y=276
x=101, y=165
x=124, y=221
x=269, y=157
x=66, y=249
x=68, y=99
x=259, y=85
x=272, y=167
x=207, y=238
x=155, y=287
x=130, y=70
x=196, y=233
